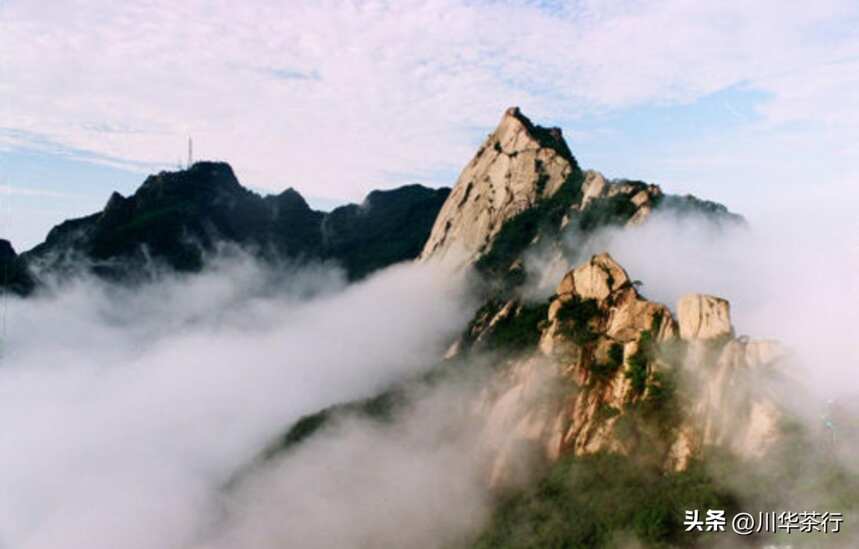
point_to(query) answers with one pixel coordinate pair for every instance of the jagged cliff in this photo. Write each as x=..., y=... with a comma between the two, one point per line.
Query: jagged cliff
x=598, y=367
x=628, y=376
x=525, y=188
x=635, y=377
x=618, y=404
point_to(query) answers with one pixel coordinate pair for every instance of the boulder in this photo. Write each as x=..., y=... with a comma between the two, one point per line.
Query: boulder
x=599, y=277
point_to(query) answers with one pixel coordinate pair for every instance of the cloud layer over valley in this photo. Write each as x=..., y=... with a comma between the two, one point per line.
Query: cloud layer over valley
x=126, y=411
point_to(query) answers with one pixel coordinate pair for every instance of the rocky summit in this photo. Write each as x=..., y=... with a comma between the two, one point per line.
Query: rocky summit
x=518, y=165
x=524, y=187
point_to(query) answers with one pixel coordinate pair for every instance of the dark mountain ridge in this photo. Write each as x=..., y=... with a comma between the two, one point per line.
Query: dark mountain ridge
x=177, y=218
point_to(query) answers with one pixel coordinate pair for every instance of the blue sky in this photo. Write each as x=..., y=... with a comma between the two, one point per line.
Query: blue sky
x=745, y=104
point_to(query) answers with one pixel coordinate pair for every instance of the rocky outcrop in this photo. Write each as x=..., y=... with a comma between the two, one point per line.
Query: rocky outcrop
x=593, y=187
x=596, y=279
x=517, y=166
x=176, y=218
x=704, y=317
x=638, y=199
x=734, y=391
x=614, y=372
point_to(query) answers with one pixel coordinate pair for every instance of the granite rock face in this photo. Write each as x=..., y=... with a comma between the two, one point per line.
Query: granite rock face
x=703, y=317
x=612, y=371
x=524, y=188
x=517, y=166
x=736, y=406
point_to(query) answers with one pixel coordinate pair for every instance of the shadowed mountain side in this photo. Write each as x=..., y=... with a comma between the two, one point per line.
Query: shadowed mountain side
x=176, y=218
x=14, y=275
x=388, y=227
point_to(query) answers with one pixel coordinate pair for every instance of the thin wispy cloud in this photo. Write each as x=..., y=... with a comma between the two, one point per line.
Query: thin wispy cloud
x=288, y=74
x=30, y=191
x=333, y=97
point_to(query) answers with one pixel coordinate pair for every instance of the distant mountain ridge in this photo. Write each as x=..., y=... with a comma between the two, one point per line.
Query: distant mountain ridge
x=176, y=218
x=523, y=186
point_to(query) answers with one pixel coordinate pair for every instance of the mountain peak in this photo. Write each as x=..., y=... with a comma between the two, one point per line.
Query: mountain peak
x=552, y=137
x=6, y=250
x=291, y=200
x=212, y=169
x=525, y=184
x=517, y=166
x=114, y=203
x=199, y=179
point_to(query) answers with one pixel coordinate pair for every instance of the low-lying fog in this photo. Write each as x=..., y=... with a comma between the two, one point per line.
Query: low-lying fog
x=123, y=413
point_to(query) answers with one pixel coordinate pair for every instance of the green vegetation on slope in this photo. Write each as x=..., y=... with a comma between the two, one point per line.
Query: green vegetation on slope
x=518, y=331
x=638, y=363
x=388, y=227
x=544, y=218
x=614, y=210
x=607, y=370
x=609, y=500
x=603, y=501
x=381, y=407
x=576, y=315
